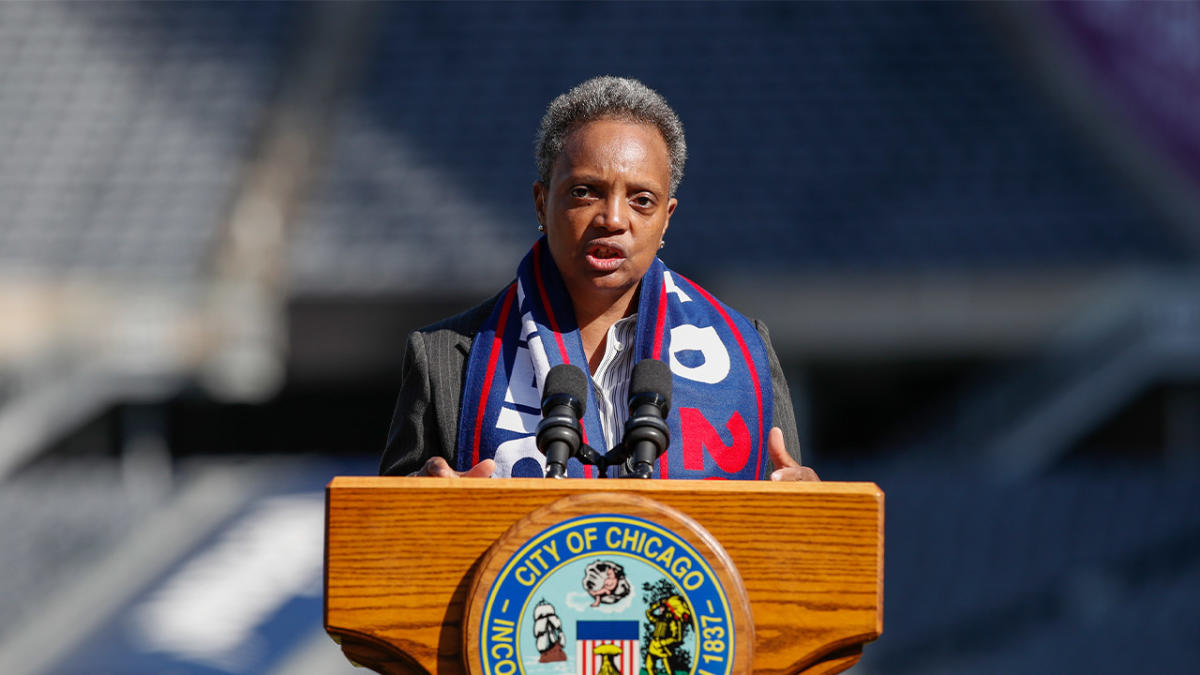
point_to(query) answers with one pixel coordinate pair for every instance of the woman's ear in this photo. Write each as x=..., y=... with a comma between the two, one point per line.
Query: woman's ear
x=671, y=204
x=539, y=201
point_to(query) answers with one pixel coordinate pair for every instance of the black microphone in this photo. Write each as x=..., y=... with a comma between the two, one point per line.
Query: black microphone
x=564, y=398
x=646, y=432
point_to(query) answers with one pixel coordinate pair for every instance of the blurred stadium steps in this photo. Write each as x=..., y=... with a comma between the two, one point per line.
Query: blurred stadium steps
x=146, y=202
x=1023, y=420
x=220, y=574
x=857, y=139
x=1080, y=571
x=141, y=147
x=124, y=129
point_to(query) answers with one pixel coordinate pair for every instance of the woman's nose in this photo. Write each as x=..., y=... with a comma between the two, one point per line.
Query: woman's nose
x=614, y=216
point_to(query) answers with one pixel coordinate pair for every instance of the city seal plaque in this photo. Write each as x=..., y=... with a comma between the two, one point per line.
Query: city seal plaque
x=607, y=584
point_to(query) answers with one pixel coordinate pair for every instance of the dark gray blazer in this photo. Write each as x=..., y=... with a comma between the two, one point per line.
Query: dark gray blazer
x=425, y=422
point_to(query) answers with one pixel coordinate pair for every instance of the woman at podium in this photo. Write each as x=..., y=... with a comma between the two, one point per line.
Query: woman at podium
x=592, y=292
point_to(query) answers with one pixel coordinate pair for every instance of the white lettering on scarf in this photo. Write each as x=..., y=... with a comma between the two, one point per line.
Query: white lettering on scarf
x=530, y=366
x=522, y=388
x=509, y=453
x=669, y=284
x=515, y=420
x=686, y=337
x=715, y=364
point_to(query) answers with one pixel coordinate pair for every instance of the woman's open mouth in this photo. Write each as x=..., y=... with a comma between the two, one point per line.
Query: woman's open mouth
x=604, y=258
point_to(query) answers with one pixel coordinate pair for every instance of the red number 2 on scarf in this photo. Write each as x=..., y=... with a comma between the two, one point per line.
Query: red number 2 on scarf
x=699, y=434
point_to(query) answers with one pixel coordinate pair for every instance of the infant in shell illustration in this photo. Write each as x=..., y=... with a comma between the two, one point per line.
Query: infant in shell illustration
x=605, y=581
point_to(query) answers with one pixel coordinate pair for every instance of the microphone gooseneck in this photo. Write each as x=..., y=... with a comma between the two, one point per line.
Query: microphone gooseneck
x=564, y=400
x=646, y=432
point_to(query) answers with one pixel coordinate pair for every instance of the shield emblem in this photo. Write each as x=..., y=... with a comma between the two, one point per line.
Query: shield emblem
x=607, y=647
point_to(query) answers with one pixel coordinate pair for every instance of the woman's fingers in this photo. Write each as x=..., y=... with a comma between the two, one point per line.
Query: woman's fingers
x=439, y=468
x=786, y=468
x=481, y=470
x=777, y=451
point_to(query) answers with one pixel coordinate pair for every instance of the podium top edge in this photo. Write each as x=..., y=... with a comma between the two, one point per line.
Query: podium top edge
x=604, y=485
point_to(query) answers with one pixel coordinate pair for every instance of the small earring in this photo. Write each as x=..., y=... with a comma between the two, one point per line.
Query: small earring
x=541, y=227
x=662, y=244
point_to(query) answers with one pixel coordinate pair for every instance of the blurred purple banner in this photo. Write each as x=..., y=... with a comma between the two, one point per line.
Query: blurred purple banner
x=1145, y=56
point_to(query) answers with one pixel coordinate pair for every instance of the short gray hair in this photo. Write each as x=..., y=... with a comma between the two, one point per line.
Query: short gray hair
x=612, y=98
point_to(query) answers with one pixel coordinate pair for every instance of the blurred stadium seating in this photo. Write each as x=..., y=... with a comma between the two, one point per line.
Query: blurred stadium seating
x=851, y=138
x=124, y=130
x=974, y=231
x=1026, y=577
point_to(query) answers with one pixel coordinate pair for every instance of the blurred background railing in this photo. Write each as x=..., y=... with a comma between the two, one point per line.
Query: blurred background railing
x=974, y=231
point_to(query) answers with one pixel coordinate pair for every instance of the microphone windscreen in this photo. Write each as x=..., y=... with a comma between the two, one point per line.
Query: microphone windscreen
x=651, y=376
x=566, y=379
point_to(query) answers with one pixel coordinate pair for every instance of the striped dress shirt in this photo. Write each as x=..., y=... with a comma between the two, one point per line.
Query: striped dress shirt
x=610, y=382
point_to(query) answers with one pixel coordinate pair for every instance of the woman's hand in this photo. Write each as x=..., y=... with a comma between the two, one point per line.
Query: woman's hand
x=786, y=468
x=439, y=468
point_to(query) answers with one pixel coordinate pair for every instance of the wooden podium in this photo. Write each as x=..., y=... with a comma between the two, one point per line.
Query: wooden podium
x=409, y=562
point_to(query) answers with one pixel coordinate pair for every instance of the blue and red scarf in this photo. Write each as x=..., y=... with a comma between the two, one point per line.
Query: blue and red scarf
x=722, y=402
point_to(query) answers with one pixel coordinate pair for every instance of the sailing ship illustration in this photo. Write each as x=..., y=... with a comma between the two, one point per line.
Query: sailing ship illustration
x=547, y=628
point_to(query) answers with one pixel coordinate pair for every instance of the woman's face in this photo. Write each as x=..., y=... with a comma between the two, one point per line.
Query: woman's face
x=606, y=208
